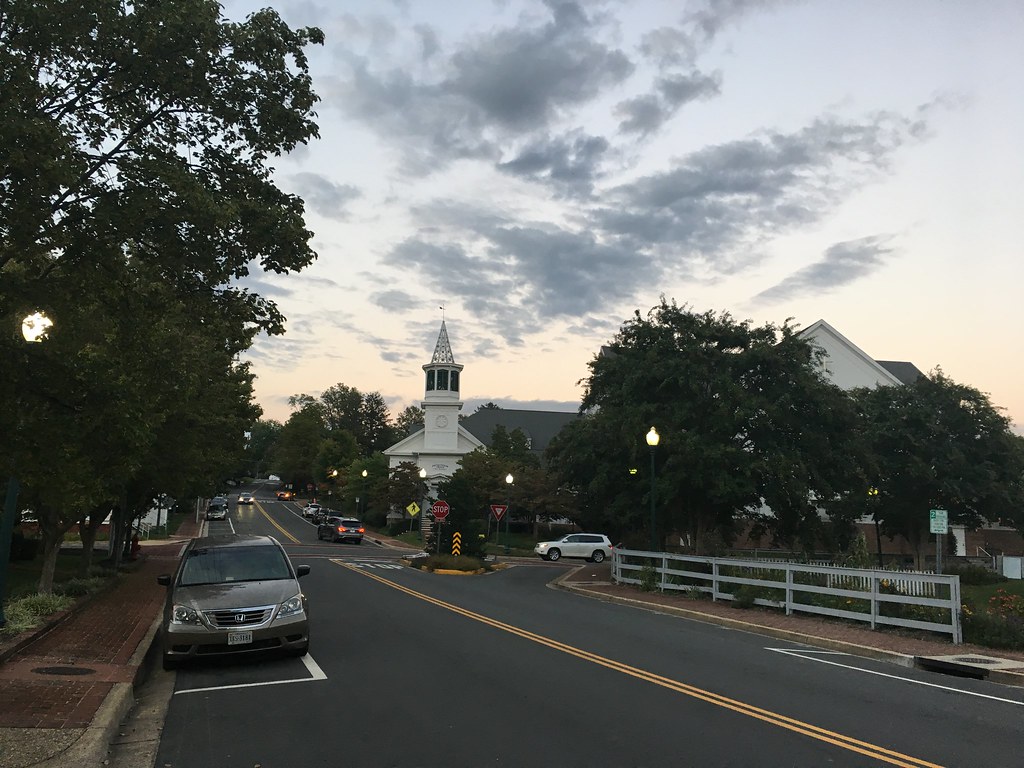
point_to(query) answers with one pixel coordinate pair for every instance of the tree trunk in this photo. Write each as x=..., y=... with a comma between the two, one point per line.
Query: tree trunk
x=88, y=533
x=51, y=548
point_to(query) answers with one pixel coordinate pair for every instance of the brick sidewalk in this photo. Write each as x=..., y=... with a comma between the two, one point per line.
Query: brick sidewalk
x=76, y=677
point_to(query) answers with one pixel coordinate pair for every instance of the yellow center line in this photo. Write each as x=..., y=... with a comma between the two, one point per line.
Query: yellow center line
x=773, y=718
x=274, y=523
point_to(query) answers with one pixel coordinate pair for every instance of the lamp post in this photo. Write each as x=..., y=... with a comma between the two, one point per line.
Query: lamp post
x=423, y=508
x=34, y=329
x=364, y=493
x=873, y=501
x=653, y=438
x=508, y=514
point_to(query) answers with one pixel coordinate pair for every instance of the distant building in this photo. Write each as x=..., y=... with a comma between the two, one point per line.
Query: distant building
x=443, y=439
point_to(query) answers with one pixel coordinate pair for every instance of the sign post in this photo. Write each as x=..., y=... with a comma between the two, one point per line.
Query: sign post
x=938, y=523
x=440, y=510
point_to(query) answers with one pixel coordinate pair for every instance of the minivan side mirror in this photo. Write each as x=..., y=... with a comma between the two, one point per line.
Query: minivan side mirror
x=301, y=570
x=164, y=579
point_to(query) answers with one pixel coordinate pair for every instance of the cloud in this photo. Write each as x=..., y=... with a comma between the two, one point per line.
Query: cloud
x=570, y=162
x=647, y=113
x=325, y=197
x=843, y=263
x=501, y=85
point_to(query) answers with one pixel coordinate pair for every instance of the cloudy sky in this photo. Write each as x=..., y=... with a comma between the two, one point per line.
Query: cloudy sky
x=543, y=169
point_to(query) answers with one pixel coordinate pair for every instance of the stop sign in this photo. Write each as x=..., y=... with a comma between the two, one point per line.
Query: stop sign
x=440, y=509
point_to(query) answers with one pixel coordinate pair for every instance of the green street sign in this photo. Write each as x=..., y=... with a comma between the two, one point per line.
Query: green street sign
x=938, y=521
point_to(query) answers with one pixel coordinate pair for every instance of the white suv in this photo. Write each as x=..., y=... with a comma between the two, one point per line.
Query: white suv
x=589, y=546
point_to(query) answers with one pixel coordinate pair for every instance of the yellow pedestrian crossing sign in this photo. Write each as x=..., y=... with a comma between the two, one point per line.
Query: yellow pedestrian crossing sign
x=413, y=509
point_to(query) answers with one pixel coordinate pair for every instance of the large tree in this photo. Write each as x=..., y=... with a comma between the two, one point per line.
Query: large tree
x=745, y=417
x=940, y=444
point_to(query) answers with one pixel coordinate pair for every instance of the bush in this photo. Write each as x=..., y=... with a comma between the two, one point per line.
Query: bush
x=991, y=629
x=648, y=578
x=744, y=596
x=79, y=587
x=28, y=612
x=971, y=573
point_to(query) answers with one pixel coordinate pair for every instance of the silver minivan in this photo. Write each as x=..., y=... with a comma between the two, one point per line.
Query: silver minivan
x=589, y=546
x=236, y=594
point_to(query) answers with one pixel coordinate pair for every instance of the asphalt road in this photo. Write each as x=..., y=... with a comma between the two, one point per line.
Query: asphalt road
x=415, y=669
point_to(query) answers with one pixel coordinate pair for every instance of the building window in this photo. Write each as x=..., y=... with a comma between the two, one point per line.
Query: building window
x=430, y=381
x=442, y=379
x=455, y=381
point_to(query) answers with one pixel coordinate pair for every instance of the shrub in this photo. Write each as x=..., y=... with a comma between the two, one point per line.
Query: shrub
x=744, y=596
x=648, y=578
x=28, y=612
x=79, y=587
x=973, y=574
x=450, y=563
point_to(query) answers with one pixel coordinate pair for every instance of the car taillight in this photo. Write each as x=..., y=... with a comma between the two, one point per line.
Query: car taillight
x=342, y=529
x=362, y=530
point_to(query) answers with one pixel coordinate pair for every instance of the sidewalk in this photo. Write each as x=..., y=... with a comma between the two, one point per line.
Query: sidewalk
x=66, y=687
x=65, y=690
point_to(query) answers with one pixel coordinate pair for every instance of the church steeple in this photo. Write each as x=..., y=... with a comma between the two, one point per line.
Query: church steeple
x=443, y=350
x=441, y=403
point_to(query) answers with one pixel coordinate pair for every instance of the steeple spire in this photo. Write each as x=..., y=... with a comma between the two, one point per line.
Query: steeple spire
x=443, y=349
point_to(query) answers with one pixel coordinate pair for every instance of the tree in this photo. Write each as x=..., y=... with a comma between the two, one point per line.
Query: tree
x=375, y=430
x=299, y=445
x=408, y=421
x=262, y=436
x=745, y=418
x=940, y=444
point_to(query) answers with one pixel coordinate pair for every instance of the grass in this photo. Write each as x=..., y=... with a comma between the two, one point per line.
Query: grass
x=979, y=594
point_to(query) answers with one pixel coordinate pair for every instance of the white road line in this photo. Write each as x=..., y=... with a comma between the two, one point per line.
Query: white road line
x=798, y=654
x=307, y=660
x=231, y=524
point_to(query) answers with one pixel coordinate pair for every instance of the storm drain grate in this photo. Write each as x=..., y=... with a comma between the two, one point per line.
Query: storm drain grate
x=976, y=660
x=63, y=671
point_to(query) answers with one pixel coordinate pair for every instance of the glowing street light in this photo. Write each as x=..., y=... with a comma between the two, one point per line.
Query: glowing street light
x=653, y=438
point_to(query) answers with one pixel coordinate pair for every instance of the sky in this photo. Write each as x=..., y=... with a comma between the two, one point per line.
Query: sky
x=542, y=170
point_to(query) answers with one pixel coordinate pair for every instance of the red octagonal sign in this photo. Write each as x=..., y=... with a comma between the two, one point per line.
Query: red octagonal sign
x=440, y=509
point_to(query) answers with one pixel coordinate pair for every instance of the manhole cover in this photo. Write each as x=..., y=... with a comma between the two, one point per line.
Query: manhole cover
x=63, y=671
x=976, y=660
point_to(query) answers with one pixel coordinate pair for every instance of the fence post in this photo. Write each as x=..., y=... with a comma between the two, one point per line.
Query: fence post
x=789, y=589
x=954, y=598
x=714, y=580
x=664, y=567
x=875, y=578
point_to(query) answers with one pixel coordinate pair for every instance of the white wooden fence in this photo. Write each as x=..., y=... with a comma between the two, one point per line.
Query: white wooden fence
x=932, y=600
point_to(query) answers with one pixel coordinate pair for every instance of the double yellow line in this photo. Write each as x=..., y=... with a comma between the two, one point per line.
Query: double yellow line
x=773, y=718
x=274, y=523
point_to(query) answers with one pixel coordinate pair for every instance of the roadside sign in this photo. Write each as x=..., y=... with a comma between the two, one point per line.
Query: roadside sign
x=938, y=521
x=456, y=543
x=440, y=509
x=413, y=509
x=498, y=510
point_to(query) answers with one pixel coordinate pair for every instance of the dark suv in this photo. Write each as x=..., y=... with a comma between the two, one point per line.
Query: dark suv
x=217, y=509
x=341, y=529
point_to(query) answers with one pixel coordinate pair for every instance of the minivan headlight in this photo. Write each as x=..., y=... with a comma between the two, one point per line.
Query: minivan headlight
x=182, y=614
x=291, y=606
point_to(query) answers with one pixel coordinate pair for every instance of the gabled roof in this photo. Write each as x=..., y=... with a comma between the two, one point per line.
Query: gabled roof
x=540, y=427
x=908, y=373
x=821, y=328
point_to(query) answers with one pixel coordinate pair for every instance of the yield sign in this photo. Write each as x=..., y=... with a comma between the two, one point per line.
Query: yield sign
x=498, y=510
x=440, y=509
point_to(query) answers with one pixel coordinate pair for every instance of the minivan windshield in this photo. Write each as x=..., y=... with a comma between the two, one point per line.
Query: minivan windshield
x=220, y=565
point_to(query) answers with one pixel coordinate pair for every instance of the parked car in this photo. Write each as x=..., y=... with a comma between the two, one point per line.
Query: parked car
x=589, y=546
x=341, y=529
x=285, y=495
x=245, y=498
x=311, y=510
x=233, y=595
x=217, y=508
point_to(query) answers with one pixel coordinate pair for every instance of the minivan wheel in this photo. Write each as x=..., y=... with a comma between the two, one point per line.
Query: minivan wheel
x=554, y=554
x=168, y=663
x=598, y=556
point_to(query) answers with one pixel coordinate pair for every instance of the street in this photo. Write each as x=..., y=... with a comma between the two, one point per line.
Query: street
x=417, y=669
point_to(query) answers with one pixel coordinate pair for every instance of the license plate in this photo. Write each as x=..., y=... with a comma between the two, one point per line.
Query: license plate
x=239, y=638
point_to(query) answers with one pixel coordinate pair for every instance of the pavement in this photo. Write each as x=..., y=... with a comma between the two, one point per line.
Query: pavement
x=66, y=688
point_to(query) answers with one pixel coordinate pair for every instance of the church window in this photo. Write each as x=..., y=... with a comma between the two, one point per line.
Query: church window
x=442, y=379
x=455, y=381
x=430, y=381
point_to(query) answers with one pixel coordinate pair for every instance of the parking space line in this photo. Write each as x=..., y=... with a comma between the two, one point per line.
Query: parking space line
x=314, y=669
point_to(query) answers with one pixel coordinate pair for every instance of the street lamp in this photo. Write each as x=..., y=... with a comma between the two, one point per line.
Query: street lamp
x=508, y=514
x=364, y=493
x=653, y=438
x=423, y=509
x=34, y=329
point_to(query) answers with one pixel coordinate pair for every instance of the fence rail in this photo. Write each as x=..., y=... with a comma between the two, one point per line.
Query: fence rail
x=911, y=599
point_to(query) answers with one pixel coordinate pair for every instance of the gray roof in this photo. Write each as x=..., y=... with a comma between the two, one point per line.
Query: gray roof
x=907, y=373
x=443, y=349
x=540, y=427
